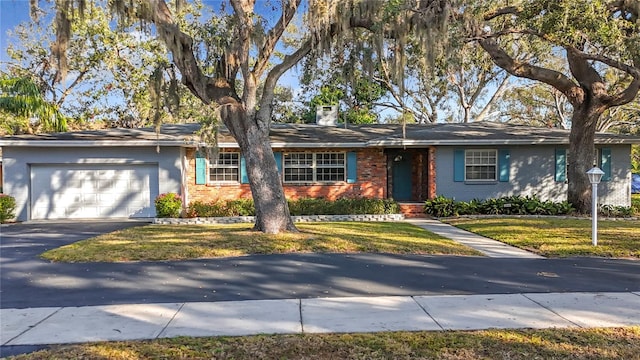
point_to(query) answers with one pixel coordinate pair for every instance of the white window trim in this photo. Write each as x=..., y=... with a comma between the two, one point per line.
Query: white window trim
x=495, y=173
x=211, y=165
x=314, y=167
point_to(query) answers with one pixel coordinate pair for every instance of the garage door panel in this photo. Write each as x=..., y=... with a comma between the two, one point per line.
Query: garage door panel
x=94, y=191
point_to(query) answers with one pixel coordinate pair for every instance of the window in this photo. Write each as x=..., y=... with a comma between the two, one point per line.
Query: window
x=226, y=168
x=601, y=159
x=314, y=167
x=480, y=165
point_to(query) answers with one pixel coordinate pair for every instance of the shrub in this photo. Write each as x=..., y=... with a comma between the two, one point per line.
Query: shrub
x=441, y=206
x=635, y=204
x=240, y=207
x=364, y=206
x=509, y=205
x=615, y=211
x=343, y=206
x=168, y=205
x=311, y=206
x=201, y=209
x=304, y=206
x=7, y=207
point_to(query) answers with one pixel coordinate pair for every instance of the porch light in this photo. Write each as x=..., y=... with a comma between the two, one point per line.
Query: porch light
x=595, y=175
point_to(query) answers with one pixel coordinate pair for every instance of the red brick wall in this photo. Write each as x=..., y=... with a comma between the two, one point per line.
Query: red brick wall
x=431, y=192
x=371, y=181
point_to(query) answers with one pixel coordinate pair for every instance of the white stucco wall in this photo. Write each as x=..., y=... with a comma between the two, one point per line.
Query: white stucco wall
x=17, y=162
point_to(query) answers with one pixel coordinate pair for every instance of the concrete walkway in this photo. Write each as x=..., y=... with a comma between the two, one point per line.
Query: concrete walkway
x=489, y=247
x=62, y=325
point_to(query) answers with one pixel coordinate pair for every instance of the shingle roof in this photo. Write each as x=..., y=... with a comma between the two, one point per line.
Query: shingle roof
x=311, y=135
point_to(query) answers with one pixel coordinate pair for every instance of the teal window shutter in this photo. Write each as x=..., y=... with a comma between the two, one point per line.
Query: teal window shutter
x=352, y=171
x=244, y=178
x=278, y=157
x=458, y=165
x=561, y=165
x=605, y=163
x=504, y=165
x=201, y=169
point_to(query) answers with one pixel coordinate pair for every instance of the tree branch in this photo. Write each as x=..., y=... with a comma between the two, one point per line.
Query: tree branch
x=525, y=70
x=265, y=107
x=67, y=91
x=557, y=105
x=627, y=95
x=509, y=10
x=631, y=70
x=496, y=95
x=580, y=67
x=243, y=10
x=274, y=35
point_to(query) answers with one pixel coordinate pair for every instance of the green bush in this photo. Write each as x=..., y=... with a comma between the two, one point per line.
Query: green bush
x=304, y=206
x=201, y=209
x=239, y=207
x=168, y=205
x=7, y=207
x=635, y=204
x=311, y=206
x=343, y=206
x=509, y=205
x=441, y=206
x=615, y=211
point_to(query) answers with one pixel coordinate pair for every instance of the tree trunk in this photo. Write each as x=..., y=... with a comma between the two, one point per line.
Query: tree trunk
x=581, y=154
x=272, y=210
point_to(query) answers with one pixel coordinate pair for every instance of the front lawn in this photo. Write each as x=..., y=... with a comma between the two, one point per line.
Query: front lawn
x=577, y=344
x=181, y=242
x=559, y=237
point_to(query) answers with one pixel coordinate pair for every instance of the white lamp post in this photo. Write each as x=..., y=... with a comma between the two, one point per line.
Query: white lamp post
x=595, y=175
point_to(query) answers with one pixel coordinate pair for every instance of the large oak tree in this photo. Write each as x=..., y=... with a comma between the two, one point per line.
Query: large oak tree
x=594, y=37
x=245, y=56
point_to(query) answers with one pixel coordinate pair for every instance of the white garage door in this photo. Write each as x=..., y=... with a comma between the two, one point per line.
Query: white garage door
x=93, y=191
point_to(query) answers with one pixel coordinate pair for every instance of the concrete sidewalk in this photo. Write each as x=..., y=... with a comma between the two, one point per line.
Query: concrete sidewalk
x=61, y=325
x=489, y=247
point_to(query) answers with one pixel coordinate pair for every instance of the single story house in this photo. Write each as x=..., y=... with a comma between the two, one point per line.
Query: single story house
x=119, y=172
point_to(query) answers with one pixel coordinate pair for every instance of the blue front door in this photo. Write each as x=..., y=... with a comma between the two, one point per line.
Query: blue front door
x=401, y=174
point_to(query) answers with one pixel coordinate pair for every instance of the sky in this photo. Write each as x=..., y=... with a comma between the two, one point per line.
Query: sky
x=12, y=12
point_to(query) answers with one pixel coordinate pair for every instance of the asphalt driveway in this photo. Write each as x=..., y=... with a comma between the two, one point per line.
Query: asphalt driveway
x=28, y=281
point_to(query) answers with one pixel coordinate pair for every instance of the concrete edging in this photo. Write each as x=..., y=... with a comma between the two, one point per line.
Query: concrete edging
x=297, y=219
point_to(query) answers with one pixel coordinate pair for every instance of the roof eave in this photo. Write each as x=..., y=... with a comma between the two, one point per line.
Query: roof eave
x=483, y=142
x=93, y=143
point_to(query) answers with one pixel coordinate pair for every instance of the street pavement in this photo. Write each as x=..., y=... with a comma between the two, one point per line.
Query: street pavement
x=43, y=303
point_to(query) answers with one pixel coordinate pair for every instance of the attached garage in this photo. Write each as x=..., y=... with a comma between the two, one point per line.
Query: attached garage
x=101, y=174
x=93, y=191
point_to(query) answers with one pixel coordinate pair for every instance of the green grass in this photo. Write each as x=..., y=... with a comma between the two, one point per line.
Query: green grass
x=609, y=343
x=181, y=242
x=559, y=237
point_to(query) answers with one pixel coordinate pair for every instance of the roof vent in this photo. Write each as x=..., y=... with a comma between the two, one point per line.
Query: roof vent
x=327, y=115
